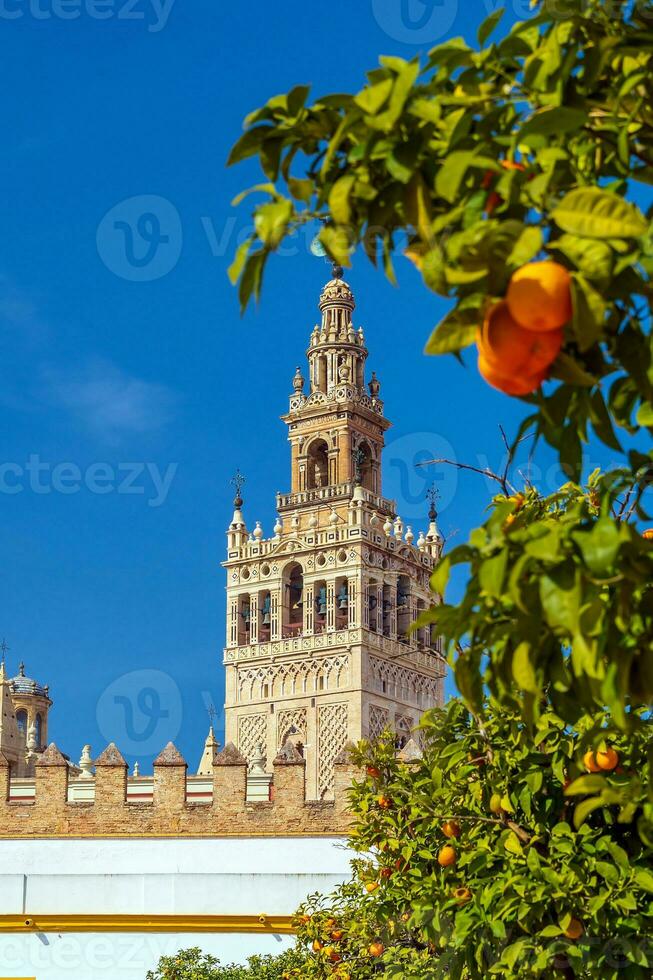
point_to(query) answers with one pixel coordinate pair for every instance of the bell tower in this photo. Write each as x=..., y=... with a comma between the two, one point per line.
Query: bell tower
x=320, y=646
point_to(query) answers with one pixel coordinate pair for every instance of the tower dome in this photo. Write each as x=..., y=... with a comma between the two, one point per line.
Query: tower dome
x=20, y=684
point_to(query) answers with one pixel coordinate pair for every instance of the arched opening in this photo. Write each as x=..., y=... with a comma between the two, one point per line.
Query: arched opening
x=403, y=608
x=244, y=619
x=293, y=600
x=21, y=721
x=318, y=465
x=342, y=603
x=321, y=603
x=265, y=615
x=367, y=467
x=38, y=725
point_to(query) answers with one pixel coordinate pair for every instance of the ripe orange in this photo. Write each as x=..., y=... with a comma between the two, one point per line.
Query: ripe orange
x=371, y=886
x=332, y=954
x=590, y=763
x=451, y=828
x=509, y=386
x=510, y=350
x=511, y=165
x=462, y=895
x=373, y=772
x=539, y=296
x=447, y=856
x=607, y=759
x=384, y=802
x=386, y=872
x=574, y=930
x=648, y=534
x=376, y=949
x=337, y=935
x=317, y=946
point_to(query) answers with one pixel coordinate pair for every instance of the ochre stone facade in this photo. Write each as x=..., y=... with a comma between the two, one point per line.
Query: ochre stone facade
x=320, y=647
x=170, y=814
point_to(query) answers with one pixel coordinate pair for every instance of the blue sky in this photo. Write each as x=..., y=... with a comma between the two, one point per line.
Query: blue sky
x=113, y=379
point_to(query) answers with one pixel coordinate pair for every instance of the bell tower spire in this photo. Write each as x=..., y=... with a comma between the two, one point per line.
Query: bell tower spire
x=336, y=427
x=321, y=645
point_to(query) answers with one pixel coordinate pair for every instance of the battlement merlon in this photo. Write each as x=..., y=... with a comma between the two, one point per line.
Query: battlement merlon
x=49, y=814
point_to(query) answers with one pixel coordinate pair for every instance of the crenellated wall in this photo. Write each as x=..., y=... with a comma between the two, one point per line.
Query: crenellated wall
x=49, y=814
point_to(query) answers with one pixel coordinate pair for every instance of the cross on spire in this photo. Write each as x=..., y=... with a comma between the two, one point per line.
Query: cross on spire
x=4, y=647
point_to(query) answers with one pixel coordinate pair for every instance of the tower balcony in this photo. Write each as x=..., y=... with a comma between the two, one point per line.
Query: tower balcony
x=297, y=642
x=337, y=491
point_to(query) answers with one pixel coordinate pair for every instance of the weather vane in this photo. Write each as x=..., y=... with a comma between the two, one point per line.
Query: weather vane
x=211, y=712
x=238, y=481
x=433, y=495
x=3, y=649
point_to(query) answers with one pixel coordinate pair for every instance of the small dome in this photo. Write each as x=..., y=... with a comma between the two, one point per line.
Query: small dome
x=20, y=684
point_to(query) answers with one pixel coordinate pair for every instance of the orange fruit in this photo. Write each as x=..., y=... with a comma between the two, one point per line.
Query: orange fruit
x=574, y=930
x=462, y=895
x=607, y=759
x=384, y=802
x=337, y=935
x=371, y=886
x=447, y=856
x=317, y=946
x=376, y=949
x=539, y=296
x=373, y=772
x=332, y=954
x=451, y=828
x=511, y=165
x=590, y=763
x=386, y=872
x=509, y=386
x=648, y=534
x=510, y=350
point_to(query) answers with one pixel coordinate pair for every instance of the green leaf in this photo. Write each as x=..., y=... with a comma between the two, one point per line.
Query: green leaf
x=452, y=173
x=526, y=247
x=644, y=878
x=450, y=336
x=523, y=670
x=569, y=370
x=489, y=24
x=513, y=845
x=238, y=263
x=339, y=199
x=440, y=576
x=373, y=97
x=271, y=221
x=584, y=808
x=645, y=414
x=588, y=313
x=600, y=545
x=594, y=213
x=550, y=122
x=336, y=241
x=590, y=783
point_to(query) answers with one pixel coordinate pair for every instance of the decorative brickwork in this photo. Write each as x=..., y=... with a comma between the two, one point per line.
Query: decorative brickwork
x=333, y=729
x=252, y=732
x=379, y=721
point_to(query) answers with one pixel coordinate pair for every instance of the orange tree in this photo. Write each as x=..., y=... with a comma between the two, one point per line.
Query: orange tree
x=484, y=858
x=508, y=174
x=515, y=176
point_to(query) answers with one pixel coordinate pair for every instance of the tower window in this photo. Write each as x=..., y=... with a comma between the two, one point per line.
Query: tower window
x=318, y=465
x=21, y=721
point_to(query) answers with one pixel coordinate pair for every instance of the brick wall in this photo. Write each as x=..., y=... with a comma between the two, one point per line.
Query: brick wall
x=50, y=814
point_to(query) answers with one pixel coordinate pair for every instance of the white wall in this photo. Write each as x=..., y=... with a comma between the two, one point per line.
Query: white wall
x=245, y=876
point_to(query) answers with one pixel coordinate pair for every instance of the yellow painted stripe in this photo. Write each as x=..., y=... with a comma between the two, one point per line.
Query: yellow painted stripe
x=147, y=923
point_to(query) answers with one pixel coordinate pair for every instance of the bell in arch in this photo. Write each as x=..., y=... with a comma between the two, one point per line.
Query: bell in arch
x=265, y=610
x=343, y=600
x=246, y=614
x=321, y=602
